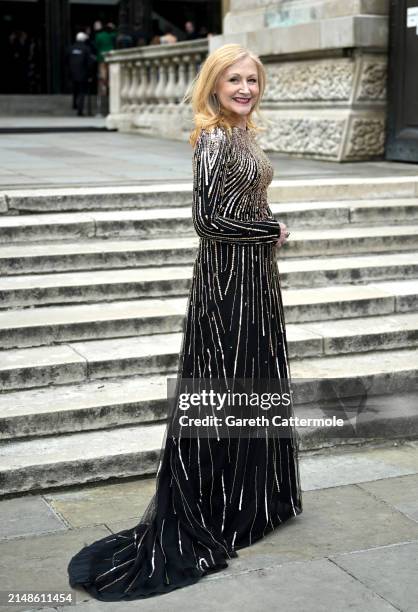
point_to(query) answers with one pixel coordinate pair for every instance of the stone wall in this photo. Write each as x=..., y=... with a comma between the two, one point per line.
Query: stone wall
x=330, y=108
x=326, y=63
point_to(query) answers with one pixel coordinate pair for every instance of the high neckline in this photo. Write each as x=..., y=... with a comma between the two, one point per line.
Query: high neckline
x=244, y=132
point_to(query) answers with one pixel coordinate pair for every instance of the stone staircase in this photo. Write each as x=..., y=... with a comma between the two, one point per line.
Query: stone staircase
x=93, y=294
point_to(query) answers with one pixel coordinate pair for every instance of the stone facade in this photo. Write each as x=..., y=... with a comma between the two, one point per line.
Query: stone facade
x=329, y=108
x=326, y=64
x=311, y=80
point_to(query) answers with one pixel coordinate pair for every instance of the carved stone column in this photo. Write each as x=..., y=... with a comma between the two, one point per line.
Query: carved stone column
x=57, y=23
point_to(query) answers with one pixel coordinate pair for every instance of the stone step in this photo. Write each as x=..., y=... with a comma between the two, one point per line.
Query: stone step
x=99, y=404
x=344, y=188
x=92, y=456
x=153, y=282
x=31, y=327
x=95, y=255
x=155, y=222
x=402, y=210
x=65, y=199
x=99, y=254
x=180, y=194
x=353, y=240
x=158, y=353
x=68, y=459
x=83, y=406
x=376, y=422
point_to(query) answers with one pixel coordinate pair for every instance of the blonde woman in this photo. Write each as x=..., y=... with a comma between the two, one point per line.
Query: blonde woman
x=220, y=488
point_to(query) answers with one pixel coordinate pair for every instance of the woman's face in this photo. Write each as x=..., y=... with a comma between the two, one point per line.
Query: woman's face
x=238, y=88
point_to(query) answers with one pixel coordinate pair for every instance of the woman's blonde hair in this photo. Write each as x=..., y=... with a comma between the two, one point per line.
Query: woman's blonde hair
x=206, y=110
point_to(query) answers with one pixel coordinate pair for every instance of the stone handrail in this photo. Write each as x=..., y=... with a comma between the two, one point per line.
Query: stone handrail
x=144, y=81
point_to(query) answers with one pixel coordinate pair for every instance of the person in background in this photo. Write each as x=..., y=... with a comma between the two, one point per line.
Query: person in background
x=155, y=39
x=139, y=38
x=92, y=82
x=190, y=29
x=89, y=41
x=97, y=27
x=168, y=38
x=156, y=32
x=105, y=40
x=203, y=32
x=111, y=28
x=81, y=62
x=124, y=39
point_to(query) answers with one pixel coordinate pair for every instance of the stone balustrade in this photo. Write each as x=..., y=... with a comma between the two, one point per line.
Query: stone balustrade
x=326, y=77
x=147, y=86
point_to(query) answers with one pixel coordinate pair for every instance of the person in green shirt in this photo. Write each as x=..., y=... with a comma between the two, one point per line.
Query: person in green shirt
x=105, y=40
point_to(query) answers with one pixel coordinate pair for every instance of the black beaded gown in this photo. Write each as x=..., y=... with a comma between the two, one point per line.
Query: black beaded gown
x=214, y=496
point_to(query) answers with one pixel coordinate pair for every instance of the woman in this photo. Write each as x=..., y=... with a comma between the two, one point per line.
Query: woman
x=215, y=494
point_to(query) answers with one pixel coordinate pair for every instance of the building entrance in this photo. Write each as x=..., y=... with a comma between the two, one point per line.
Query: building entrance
x=402, y=134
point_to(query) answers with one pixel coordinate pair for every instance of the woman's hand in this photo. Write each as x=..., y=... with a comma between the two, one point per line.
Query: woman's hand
x=283, y=235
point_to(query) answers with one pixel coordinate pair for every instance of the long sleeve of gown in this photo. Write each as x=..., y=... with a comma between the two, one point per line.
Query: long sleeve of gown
x=210, y=163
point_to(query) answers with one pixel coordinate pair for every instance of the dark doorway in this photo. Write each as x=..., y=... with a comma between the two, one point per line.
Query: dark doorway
x=402, y=131
x=206, y=16
x=22, y=47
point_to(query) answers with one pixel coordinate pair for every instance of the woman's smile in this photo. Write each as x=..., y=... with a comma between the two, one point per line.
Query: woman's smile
x=242, y=100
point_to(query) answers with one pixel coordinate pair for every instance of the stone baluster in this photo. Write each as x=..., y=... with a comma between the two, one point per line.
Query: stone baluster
x=170, y=91
x=159, y=86
x=191, y=69
x=198, y=60
x=133, y=84
x=126, y=76
x=165, y=63
x=150, y=95
x=182, y=78
x=114, y=88
x=160, y=91
x=143, y=83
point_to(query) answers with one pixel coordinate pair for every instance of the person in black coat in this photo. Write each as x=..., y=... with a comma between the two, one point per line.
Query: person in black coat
x=81, y=62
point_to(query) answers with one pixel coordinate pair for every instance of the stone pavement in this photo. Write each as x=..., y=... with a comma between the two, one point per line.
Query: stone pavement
x=45, y=124
x=354, y=548
x=112, y=158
